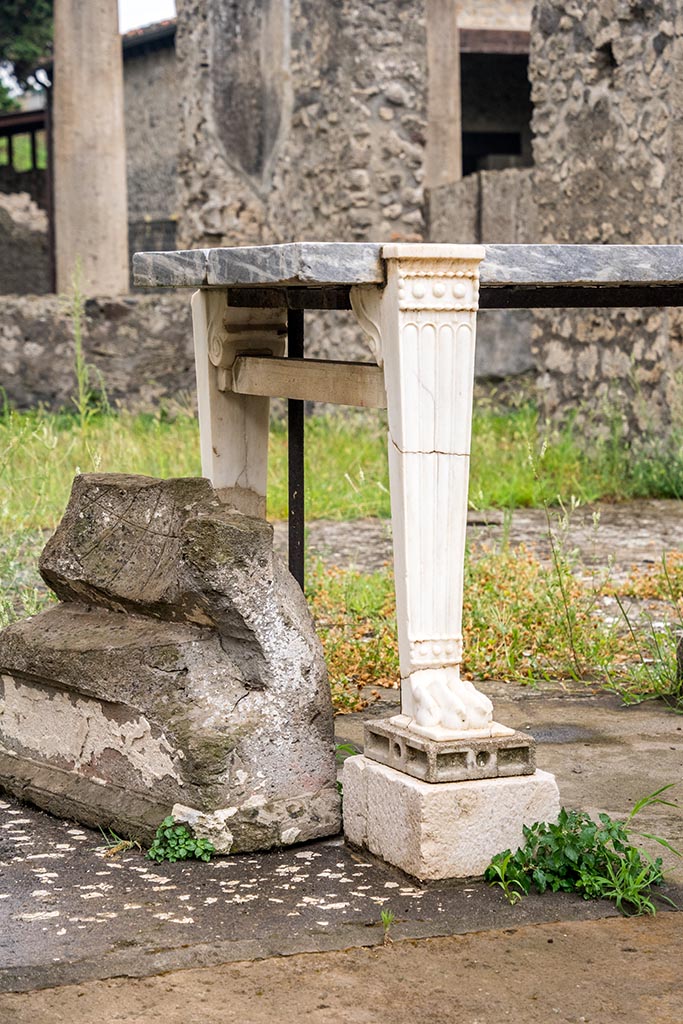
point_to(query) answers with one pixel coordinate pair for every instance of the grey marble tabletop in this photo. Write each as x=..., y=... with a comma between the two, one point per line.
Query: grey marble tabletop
x=331, y=264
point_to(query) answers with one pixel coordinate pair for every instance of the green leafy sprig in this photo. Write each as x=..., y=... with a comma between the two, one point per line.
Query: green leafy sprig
x=175, y=841
x=579, y=855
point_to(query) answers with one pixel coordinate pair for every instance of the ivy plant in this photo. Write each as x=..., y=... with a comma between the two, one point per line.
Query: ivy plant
x=577, y=854
x=175, y=841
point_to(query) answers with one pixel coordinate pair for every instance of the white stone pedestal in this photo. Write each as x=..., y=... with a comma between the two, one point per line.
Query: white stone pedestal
x=441, y=830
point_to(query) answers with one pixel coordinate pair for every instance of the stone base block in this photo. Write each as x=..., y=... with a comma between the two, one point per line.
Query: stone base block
x=453, y=760
x=447, y=830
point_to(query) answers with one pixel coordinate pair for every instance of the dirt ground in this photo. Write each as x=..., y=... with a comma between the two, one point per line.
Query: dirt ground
x=604, y=972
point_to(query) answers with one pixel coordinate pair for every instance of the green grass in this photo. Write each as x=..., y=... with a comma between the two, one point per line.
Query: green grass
x=40, y=453
x=515, y=462
x=21, y=152
x=524, y=620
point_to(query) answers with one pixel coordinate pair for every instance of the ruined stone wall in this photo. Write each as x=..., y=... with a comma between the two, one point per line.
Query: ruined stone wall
x=24, y=259
x=34, y=182
x=140, y=347
x=606, y=88
x=491, y=206
x=151, y=106
x=514, y=15
x=301, y=120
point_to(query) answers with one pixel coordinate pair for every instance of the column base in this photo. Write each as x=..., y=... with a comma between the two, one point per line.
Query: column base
x=442, y=830
x=474, y=755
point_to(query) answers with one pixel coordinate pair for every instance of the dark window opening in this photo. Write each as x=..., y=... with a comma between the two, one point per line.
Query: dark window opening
x=489, y=151
x=496, y=111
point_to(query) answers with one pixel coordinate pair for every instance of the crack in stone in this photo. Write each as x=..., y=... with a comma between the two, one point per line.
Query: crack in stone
x=430, y=451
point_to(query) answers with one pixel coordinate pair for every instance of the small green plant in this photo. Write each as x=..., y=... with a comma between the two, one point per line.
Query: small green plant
x=116, y=844
x=387, y=918
x=579, y=855
x=344, y=750
x=175, y=841
x=341, y=752
x=89, y=399
x=659, y=672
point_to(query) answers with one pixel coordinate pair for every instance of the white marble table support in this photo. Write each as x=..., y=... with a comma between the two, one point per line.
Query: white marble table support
x=422, y=326
x=233, y=428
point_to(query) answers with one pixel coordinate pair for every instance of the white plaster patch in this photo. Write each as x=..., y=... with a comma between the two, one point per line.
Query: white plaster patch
x=212, y=826
x=76, y=729
x=289, y=835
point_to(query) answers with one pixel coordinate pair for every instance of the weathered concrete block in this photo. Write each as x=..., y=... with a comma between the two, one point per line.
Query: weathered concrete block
x=181, y=668
x=447, y=830
x=449, y=760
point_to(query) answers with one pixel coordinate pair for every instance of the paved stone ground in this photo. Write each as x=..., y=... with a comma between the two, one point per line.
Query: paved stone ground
x=628, y=534
x=69, y=914
x=72, y=918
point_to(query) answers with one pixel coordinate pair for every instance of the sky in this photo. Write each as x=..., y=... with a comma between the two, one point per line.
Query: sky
x=133, y=13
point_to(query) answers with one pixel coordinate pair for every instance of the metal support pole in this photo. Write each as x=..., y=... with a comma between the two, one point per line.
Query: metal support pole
x=295, y=453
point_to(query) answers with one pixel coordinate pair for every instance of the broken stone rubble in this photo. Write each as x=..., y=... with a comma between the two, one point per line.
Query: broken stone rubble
x=181, y=667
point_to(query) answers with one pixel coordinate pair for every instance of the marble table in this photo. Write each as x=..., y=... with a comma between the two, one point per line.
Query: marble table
x=418, y=306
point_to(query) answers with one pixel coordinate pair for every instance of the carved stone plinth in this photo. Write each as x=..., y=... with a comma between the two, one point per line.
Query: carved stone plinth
x=486, y=757
x=447, y=831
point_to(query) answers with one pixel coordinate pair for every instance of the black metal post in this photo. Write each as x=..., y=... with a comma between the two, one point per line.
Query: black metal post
x=295, y=453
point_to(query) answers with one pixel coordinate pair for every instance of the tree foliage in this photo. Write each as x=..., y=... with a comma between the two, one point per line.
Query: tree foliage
x=25, y=40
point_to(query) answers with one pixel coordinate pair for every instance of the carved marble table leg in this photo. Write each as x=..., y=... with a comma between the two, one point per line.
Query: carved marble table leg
x=423, y=324
x=233, y=428
x=401, y=798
